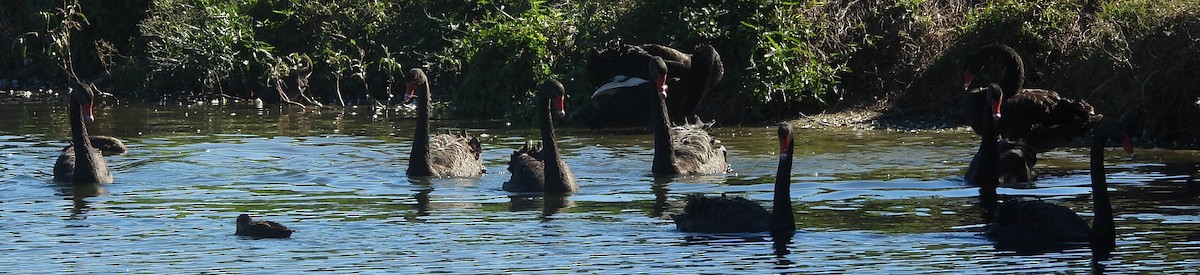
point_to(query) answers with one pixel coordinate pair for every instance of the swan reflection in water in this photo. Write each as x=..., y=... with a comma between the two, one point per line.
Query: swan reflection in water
x=78, y=194
x=549, y=204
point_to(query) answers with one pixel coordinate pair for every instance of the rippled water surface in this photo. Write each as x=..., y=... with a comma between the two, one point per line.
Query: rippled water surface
x=865, y=201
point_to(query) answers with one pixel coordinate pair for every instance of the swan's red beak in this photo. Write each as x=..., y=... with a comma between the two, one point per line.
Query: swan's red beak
x=559, y=109
x=412, y=88
x=661, y=85
x=1127, y=144
x=996, y=110
x=967, y=78
x=783, y=145
x=87, y=112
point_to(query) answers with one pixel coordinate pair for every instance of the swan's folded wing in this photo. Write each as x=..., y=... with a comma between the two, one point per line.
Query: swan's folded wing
x=618, y=82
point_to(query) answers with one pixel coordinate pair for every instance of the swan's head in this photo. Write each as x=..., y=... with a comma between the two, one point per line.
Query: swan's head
x=1118, y=131
x=978, y=62
x=1127, y=144
x=785, y=140
x=970, y=69
x=416, y=79
x=995, y=98
x=975, y=65
x=85, y=97
x=553, y=90
x=968, y=76
x=658, y=72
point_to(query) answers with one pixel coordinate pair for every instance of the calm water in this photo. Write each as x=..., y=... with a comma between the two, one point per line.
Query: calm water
x=866, y=201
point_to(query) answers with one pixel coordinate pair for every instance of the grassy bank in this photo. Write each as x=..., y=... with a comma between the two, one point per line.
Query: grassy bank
x=1134, y=59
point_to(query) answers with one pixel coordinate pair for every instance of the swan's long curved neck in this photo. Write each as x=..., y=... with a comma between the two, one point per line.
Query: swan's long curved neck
x=553, y=163
x=1103, y=227
x=1014, y=69
x=82, y=145
x=664, y=150
x=706, y=63
x=419, y=156
x=782, y=219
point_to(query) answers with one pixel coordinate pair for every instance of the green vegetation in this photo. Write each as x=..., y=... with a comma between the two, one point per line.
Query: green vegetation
x=781, y=57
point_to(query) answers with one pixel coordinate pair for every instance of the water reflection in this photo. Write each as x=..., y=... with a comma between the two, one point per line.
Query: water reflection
x=1098, y=267
x=865, y=200
x=1101, y=253
x=661, y=194
x=1193, y=185
x=780, y=243
x=548, y=204
x=422, y=198
x=78, y=195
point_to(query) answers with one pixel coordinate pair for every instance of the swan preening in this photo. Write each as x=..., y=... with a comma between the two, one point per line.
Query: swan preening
x=619, y=67
x=685, y=149
x=81, y=163
x=737, y=215
x=443, y=155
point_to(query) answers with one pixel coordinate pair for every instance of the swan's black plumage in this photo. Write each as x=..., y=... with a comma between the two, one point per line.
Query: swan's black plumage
x=443, y=155
x=107, y=145
x=1036, y=223
x=541, y=169
x=695, y=75
x=732, y=215
x=1028, y=121
x=81, y=163
x=261, y=229
x=1015, y=164
x=1040, y=119
x=686, y=149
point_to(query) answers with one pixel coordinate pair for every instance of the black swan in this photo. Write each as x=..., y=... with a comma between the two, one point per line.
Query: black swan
x=530, y=164
x=1015, y=160
x=81, y=163
x=1039, y=118
x=618, y=67
x=444, y=155
x=1016, y=163
x=1036, y=223
x=738, y=215
x=686, y=149
x=261, y=229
